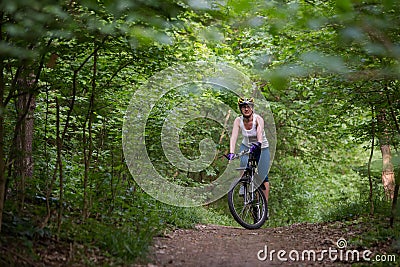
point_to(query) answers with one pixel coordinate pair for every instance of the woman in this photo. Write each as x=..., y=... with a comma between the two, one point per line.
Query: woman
x=252, y=126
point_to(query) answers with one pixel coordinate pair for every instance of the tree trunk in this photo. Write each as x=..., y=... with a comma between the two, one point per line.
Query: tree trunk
x=23, y=141
x=88, y=143
x=371, y=201
x=396, y=188
x=2, y=163
x=2, y=157
x=387, y=165
x=60, y=169
x=387, y=171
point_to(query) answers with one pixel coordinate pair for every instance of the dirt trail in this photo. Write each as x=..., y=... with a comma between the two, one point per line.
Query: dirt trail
x=212, y=245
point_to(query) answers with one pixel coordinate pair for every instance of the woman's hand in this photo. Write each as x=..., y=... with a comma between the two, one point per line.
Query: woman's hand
x=230, y=156
x=255, y=147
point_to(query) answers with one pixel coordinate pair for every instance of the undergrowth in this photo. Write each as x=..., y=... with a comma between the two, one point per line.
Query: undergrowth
x=123, y=234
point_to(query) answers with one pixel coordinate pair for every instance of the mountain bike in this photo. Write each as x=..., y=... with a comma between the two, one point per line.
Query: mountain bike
x=246, y=200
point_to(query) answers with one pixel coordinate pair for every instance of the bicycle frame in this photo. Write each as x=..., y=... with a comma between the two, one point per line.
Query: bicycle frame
x=249, y=170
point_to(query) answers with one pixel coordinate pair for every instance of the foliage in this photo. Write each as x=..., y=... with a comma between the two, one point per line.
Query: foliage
x=326, y=67
x=122, y=235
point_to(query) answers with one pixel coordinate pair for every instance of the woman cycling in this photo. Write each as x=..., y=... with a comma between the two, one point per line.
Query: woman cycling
x=252, y=126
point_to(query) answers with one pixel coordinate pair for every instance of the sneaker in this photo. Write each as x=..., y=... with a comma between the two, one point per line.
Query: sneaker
x=241, y=190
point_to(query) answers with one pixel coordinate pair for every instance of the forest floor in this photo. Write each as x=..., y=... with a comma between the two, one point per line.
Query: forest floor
x=301, y=244
x=213, y=245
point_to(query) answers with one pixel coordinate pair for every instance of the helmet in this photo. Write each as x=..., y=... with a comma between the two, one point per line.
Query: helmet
x=246, y=101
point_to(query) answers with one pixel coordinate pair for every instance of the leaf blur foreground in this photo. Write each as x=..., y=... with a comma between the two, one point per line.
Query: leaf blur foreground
x=329, y=70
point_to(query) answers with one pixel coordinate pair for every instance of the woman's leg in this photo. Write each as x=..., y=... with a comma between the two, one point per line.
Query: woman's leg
x=244, y=158
x=263, y=169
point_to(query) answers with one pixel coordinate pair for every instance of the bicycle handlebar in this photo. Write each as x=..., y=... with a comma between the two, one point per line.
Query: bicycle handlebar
x=244, y=152
x=238, y=155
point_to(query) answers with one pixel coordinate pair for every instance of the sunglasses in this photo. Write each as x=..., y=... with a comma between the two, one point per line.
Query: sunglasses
x=245, y=107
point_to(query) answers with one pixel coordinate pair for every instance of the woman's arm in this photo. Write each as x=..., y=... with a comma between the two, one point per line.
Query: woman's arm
x=234, y=135
x=260, y=128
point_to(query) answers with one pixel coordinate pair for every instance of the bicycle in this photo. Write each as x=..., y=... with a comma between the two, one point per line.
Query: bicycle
x=246, y=200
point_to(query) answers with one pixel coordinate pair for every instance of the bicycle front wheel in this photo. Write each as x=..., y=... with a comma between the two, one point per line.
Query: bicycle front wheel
x=248, y=208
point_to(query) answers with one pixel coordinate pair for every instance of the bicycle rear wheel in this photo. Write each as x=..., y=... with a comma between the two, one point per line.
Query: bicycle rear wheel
x=248, y=208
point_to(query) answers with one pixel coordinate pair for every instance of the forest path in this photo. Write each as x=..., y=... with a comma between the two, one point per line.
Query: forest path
x=213, y=245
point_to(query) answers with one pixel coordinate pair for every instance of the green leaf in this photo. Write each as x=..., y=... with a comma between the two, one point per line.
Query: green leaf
x=344, y=6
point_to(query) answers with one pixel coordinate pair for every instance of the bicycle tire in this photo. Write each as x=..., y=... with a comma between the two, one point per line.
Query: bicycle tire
x=243, y=212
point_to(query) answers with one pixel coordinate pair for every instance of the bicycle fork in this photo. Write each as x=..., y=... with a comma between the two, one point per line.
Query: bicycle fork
x=249, y=198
